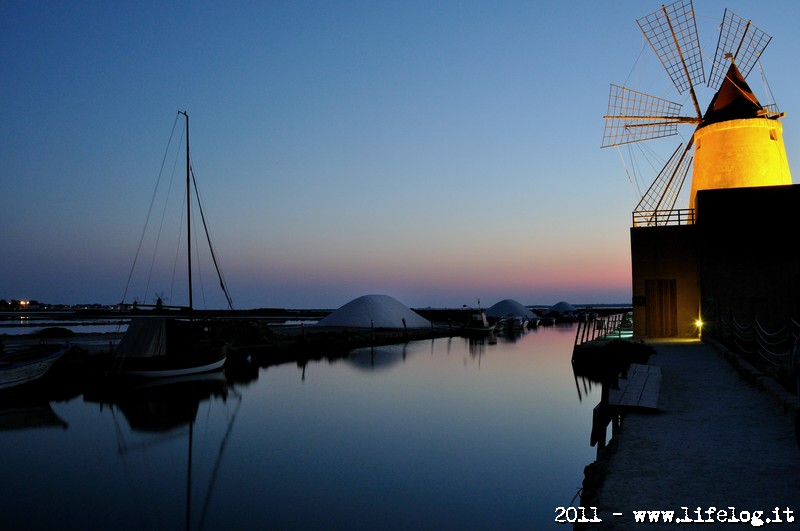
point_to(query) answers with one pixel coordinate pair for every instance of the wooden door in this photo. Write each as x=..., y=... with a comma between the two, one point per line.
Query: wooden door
x=661, y=308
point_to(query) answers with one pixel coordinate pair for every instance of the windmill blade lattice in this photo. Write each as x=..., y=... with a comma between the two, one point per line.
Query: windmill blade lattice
x=672, y=32
x=635, y=116
x=743, y=41
x=663, y=193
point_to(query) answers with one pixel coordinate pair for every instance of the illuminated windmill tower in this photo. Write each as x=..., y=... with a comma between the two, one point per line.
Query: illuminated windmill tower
x=737, y=142
x=692, y=264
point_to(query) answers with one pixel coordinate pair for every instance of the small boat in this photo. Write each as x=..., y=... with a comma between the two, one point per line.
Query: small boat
x=516, y=322
x=156, y=347
x=24, y=366
x=167, y=346
x=477, y=323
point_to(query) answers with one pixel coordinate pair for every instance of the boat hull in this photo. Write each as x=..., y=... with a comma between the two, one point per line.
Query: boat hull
x=479, y=330
x=24, y=367
x=166, y=347
x=478, y=324
x=158, y=368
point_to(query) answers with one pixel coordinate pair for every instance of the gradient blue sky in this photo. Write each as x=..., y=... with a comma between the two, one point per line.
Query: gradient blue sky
x=438, y=152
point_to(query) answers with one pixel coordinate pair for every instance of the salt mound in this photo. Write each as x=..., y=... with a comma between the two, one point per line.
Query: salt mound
x=562, y=307
x=379, y=311
x=509, y=307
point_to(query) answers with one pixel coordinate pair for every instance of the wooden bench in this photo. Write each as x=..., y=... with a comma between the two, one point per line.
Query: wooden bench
x=638, y=388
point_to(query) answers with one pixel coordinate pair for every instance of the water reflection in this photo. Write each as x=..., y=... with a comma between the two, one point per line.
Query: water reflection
x=443, y=433
x=27, y=325
x=585, y=385
x=373, y=358
x=165, y=412
x=604, y=365
x=478, y=345
x=160, y=405
x=28, y=413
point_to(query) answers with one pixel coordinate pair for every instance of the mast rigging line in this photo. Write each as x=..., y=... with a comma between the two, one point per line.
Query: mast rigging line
x=164, y=211
x=150, y=210
x=222, y=283
x=191, y=180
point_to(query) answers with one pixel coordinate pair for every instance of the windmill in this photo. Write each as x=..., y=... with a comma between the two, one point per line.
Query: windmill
x=734, y=141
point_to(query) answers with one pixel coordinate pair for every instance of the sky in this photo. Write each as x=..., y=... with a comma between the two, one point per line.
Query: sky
x=443, y=152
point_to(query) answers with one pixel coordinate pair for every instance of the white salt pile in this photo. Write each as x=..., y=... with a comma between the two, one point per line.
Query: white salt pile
x=509, y=307
x=378, y=311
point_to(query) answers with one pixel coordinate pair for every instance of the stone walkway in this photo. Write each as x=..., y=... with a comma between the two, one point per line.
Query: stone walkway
x=716, y=440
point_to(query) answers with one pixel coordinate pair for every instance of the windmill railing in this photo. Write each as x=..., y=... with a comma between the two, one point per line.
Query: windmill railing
x=662, y=218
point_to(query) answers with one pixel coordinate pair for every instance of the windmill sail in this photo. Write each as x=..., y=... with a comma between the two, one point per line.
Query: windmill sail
x=735, y=128
x=656, y=206
x=634, y=116
x=672, y=32
x=740, y=41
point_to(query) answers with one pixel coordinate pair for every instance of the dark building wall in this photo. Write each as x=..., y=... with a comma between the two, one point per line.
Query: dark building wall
x=740, y=260
x=664, y=265
x=749, y=259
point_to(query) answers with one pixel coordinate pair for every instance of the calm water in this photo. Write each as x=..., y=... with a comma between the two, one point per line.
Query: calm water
x=24, y=325
x=437, y=434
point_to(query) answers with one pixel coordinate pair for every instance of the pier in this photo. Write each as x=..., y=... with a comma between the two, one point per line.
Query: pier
x=720, y=437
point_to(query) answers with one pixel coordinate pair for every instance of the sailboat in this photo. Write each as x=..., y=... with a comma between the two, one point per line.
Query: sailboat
x=166, y=346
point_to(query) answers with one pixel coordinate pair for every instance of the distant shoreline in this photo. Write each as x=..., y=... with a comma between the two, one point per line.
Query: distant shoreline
x=94, y=311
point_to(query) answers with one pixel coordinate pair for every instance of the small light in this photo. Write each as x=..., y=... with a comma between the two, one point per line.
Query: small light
x=698, y=323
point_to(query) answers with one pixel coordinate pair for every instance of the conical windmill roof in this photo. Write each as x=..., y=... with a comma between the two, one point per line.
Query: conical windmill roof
x=378, y=311
x=509, y=307
x=734, y=100
x=561, y=307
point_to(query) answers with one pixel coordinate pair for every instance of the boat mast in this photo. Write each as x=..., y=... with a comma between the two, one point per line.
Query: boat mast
x=188, y=214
